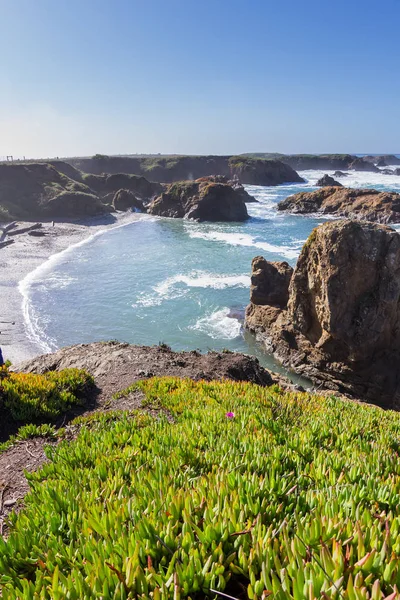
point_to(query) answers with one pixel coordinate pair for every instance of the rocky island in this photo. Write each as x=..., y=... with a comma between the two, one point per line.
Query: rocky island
x=335, y=318
x=200, y=200
x=365, y=204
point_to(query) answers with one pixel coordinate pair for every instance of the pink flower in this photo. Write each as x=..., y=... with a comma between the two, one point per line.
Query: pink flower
x=230, y=415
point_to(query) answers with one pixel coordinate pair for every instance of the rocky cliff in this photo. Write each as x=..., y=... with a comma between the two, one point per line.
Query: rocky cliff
x=340, y=325
x=366, y=204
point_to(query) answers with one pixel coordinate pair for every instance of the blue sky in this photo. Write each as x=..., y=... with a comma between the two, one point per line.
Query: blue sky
x=198, y=77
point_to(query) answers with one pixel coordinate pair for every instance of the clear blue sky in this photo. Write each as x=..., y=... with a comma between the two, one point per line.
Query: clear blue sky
x=198, y=76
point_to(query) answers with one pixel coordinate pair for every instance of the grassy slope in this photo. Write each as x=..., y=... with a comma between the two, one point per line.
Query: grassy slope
x=297, y=495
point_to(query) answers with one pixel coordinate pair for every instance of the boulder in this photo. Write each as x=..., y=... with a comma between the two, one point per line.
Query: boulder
x=359, y=164
x=124, y=200
x=365, y=204
x=327, y=180
x=396, y=171
x=200, y=200
x=341, y=324
x=340, y=174
x=387, y=172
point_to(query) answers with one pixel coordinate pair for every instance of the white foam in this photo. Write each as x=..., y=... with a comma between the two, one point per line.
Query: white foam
x=203, y=280
x=355, y=179
x=32, y=326
x=243, y=239
x=219, y=325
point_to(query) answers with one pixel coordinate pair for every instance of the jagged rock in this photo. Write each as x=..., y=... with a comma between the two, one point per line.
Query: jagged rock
x=200, y=200
x=327, y=180
x=341, y=324
x=380, y=163
x=124, y=200
x=359, y=164
x=270, y=282
x=340, y=174
x=365, y=204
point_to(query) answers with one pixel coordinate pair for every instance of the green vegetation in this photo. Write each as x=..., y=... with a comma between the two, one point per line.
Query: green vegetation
x=28, y=396
x=292, y=496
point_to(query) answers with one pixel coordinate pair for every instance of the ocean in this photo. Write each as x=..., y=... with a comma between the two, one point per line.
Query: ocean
x=182, y=283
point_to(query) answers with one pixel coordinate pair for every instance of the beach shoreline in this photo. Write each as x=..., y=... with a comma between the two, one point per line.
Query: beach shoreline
x=23, y=256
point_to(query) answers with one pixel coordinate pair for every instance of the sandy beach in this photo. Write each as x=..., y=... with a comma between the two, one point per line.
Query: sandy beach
x=24, y=255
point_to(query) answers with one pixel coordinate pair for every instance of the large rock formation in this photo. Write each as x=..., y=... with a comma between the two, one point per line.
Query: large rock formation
x=327, y=181
x=366, y=204
x=359, y=164
x=387, y=159
x=263, y=172
x=108, y=185
x=31, y=191
x=167, y=169
x=341, y=324
x=200, y=200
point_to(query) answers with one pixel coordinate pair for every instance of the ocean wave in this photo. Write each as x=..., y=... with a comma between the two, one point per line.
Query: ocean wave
x=203, y=280
x=219, y=325
x=244, y=239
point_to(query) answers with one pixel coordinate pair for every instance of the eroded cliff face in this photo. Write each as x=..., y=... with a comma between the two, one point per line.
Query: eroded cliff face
x=341, y=323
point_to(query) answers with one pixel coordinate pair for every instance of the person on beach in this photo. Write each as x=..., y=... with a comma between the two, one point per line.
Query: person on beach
x=1, y=358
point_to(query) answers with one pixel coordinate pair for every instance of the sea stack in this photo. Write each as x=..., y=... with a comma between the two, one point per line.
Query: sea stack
x=340, y=326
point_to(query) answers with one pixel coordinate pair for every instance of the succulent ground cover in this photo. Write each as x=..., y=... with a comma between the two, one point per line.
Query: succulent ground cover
x=250, y=491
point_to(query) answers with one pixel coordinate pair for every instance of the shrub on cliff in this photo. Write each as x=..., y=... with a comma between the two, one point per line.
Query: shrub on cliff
x=28, y=396
x=231, y=487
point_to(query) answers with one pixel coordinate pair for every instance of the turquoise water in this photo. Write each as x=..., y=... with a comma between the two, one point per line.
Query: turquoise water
x=169, y=280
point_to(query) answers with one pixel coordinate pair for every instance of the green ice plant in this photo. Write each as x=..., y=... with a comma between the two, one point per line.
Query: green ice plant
x=250, y=491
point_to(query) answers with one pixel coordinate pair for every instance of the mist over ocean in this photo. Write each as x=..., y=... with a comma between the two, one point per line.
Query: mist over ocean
x=170, y=280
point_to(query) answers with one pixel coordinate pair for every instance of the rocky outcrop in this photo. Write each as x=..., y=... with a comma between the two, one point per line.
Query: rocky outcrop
x=168, y=169
x=396, y=172
x=270, y=282
x=234, y=182
x=387, y=172
x=125, y=200
x=381, y=163
x=327, y=180
x=366, y=204
x=115, y=366
x=200, y=200
x=340, y=174
x=388, y=159
x=262, y=172
x=105, y=185
x=341, y=324
x=32, y=191
x=360, y=164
